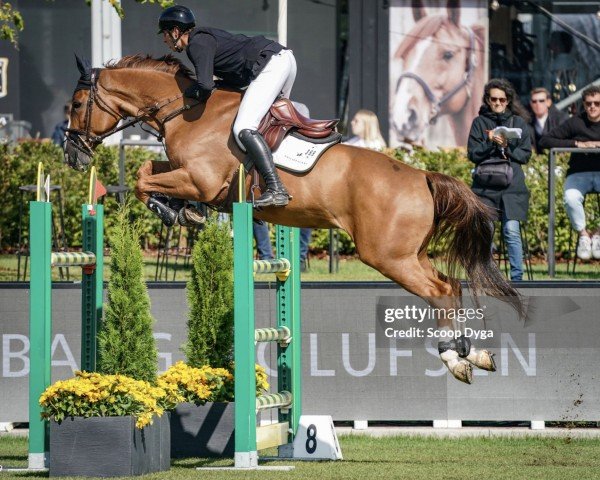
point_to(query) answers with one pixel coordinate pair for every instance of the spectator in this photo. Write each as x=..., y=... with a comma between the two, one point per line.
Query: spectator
x=501, y=106
x=583, y=174
x=365, y=128
x=263, y=240
x=545, y=115
x=60, y=129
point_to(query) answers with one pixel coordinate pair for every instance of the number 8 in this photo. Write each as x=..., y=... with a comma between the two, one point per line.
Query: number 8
x=311, y=438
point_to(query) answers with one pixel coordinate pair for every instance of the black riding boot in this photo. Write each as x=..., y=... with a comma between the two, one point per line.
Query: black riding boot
x=275, y=194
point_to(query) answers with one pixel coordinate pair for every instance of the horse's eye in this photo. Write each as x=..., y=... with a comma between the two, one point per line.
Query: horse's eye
x=448, y=55
x=76, y=105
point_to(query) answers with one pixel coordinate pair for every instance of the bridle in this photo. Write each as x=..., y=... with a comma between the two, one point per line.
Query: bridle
x=465, y=83
x=84, y=141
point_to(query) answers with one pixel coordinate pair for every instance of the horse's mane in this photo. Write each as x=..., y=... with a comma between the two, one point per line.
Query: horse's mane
x=167, y=63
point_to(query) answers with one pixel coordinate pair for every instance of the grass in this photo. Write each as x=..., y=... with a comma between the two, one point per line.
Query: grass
x=349, y=269
x=413, y=458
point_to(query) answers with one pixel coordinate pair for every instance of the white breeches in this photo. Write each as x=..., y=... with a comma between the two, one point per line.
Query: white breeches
x=276, y=78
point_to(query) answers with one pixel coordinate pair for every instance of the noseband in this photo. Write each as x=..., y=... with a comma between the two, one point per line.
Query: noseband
x=438, y=103
x=84, y=141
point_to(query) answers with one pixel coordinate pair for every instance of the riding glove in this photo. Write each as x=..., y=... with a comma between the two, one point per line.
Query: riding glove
x=197, y=92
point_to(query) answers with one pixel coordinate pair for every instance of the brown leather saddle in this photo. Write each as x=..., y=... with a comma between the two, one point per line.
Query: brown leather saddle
x=283, y=118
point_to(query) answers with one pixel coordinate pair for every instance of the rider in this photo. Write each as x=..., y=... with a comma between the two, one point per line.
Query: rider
x=267, y=68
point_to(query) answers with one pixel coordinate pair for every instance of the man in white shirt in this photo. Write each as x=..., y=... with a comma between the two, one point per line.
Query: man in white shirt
x=545, y=116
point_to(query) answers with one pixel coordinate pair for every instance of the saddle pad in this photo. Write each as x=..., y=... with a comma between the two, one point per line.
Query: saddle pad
x=298, y=153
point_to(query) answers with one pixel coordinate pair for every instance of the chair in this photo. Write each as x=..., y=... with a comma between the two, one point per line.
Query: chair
x=574, y=237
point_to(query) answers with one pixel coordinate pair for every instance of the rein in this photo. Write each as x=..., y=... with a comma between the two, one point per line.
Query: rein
x=86, y=144
x=438, y=103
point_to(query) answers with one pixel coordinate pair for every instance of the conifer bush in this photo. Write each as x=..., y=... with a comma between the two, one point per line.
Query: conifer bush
x=126, y=345
x=210, y=297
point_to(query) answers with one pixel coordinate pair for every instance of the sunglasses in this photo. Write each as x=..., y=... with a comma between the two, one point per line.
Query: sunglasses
x=589, y=104
x=498, y=99
x=538, y=100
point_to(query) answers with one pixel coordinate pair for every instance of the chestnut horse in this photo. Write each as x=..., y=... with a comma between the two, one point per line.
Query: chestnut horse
x=443, y=68
x=390, y=209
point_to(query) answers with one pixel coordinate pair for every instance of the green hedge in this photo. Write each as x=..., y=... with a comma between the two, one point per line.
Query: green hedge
x=20, y=161
x=19, y=167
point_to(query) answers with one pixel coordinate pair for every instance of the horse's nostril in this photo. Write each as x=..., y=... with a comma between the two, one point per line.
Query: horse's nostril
x=412, y=116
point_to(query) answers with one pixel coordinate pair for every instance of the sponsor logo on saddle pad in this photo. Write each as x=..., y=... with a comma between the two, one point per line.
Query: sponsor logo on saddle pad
x=299, y=154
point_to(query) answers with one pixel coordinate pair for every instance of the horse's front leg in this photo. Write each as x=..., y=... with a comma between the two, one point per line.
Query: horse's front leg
x=164, y=192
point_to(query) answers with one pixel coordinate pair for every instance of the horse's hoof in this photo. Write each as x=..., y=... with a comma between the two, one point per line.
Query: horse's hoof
x=483, y=359
x=463, y=371
x=190, y=216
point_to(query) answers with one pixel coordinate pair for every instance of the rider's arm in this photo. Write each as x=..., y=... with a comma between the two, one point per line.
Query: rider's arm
x=201, y=52
x=479, y=147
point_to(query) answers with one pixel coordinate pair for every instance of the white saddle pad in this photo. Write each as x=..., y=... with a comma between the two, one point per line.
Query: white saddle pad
x=298, y=153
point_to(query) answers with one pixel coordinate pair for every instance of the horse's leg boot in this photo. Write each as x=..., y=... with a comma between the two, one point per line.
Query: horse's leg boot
x=275, y=194
x=157, y=203
x=483, y=359
x=189, y=216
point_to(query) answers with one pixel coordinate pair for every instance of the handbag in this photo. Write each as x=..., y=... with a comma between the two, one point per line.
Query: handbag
x=495, y=172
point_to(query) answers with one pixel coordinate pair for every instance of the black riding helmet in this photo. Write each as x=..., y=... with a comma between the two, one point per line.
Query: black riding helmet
x=176, y=16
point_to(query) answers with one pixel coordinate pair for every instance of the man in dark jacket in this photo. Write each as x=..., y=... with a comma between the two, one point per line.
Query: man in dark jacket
x=545, y=116
x=583, y=175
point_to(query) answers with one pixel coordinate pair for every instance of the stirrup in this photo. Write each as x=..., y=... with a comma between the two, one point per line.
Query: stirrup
x=272, y=198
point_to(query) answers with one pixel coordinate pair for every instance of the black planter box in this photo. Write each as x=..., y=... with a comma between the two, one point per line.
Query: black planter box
x=109, y=447
x=202, y=431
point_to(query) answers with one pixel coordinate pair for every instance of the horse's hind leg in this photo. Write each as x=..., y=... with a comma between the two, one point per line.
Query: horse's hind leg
x=481, y=358
x=411, y=274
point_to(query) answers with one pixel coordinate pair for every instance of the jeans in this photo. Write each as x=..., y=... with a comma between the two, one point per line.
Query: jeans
x=511, y=231
x=577, y=185
x=263, y=241
x=304, y=241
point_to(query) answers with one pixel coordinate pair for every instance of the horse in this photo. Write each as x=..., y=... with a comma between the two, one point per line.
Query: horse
x=391, y=210
x=443, y=74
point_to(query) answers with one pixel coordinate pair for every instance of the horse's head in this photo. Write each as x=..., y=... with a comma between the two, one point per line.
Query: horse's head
x=438, y=61
x=91, y=118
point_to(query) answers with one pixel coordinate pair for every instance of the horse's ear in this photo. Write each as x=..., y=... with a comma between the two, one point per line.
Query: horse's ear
x=418, y=10
x=453, y=8
x=83, y=65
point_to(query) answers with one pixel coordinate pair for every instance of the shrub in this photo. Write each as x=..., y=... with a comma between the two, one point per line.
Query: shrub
x=97, y=395
x=210, y=297
x=206, y=384
x=126, y=344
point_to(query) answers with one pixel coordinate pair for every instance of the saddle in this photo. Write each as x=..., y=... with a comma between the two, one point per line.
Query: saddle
x=283, y=118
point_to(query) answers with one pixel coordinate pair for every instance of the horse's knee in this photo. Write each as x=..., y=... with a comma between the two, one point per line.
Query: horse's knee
x=138, y=190
x=145, y=169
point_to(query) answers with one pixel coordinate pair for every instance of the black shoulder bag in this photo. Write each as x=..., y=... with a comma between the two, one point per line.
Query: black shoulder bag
x=495, y=172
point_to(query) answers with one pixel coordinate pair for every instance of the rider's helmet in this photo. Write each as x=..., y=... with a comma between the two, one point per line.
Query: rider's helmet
x=176, y=16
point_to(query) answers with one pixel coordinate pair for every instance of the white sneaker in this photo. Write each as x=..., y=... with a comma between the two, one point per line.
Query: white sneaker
x=596, y=246
x=584, y=247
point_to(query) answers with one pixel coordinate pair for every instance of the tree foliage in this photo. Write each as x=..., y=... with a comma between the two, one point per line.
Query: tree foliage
x=126, y=344
x=210, y=297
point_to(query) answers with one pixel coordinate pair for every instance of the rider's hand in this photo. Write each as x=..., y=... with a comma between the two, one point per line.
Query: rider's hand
x=196, y=92
x=587, y=144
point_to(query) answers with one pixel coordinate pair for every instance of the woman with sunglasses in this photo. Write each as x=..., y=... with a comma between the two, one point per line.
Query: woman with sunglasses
x=501, y=107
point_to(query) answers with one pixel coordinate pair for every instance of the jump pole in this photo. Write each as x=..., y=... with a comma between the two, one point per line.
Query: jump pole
x=249, y=438
x=40, y=301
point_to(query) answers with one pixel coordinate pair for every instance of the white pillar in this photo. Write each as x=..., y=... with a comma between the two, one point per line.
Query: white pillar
x=106, y=42
x=282, y=23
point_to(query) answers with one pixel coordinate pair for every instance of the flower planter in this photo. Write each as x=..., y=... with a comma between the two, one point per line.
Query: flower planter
x=202, y=431
x=109, y=447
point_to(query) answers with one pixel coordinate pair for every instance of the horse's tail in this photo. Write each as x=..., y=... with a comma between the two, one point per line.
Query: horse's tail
x=466, y=223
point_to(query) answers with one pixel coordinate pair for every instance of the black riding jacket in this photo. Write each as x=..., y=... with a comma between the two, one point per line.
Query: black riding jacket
x=237, y=59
